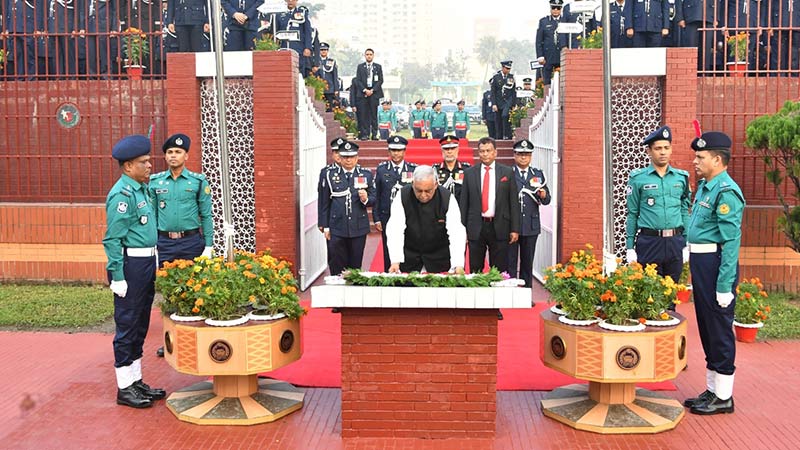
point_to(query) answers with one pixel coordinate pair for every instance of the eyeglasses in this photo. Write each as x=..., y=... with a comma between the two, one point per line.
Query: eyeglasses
x=556, y=7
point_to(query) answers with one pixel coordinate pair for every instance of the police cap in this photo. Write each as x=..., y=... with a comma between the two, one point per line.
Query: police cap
x=348, y=149
x=506, y=64
x=417, y=102
x=437, y=102
x=523, y=146
x=397, y=143
x=712, y=140
x=324, y=46
x=461, y=102
x=178, y=140
x=131, y=147
x=336, y=143
x=556, y=2
x=661, y=134
x=527, y=80
x=448, y=141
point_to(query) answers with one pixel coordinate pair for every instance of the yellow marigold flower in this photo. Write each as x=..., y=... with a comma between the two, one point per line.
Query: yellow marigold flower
x=668, y=292
x=589, y=246
x=198, y=268
x=650, y=299
x=197, y=287
x=161, y=273
x=283, y=290
x=198, y=302
x=209, y=290
x=664, y=316
x=252, y=298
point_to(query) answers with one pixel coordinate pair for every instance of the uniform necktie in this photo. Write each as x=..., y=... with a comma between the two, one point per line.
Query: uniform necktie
x=485, y=190
x=369, y=75
x=349, y=177
x=397, y=170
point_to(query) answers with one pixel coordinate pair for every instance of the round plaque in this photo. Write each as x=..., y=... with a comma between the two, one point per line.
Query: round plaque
x=628, y=358
x=220, y=351
x=557, y=347
x=168, y=342
x=287, y=341
x=682, y=348
x=68, y=115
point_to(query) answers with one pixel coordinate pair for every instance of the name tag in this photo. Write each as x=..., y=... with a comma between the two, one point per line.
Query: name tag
x=141, y=204
x=649, y=187
x=162, y=191
x=361, y=182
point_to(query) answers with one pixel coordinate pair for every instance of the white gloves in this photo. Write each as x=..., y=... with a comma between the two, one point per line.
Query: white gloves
x=119, y=287
x=630, y=255
x=207, y=252
x=685, y=254
x=724, y=299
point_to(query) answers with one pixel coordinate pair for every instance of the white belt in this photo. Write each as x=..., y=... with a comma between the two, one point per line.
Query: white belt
x=703, y=248
x=141, y=252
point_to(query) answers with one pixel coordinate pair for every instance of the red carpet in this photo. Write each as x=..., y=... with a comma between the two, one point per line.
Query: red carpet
x=518, y=363
x=428, y=151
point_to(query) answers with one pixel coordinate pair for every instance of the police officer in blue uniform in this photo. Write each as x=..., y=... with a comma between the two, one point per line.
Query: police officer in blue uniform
x=785, y=19
x=102, y=14
x=323, y=178
x=295, y=23
x=390, y=177
x=329, y=73
x=658, y=199
x=586, y=20
x=65, y=23
x=673, y=38
x=698, y=14
x=188, y=19
x=22, y=18
x=450, y=172
x=621, y=21
x=549, y=43
x=130, y=246
x=488, y=114
x=715, y=235
x=503, y=94
x=650, y=22
x=242, y=23
x=532, y=191
x=347, y=192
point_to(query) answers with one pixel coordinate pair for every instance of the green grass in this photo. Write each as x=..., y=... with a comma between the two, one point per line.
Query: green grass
x=54, y=306
x=476, y=131
x=784, y=320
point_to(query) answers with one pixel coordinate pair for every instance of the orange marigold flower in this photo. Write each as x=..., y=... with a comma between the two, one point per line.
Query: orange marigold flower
x=283, y=290
x=195, y=309
x=198, y=302
x=642, y=320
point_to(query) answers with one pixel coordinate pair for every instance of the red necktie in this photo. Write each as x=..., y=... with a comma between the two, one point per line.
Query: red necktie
x=485, y=190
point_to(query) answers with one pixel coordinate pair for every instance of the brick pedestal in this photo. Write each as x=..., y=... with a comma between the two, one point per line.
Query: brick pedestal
x=422, y=373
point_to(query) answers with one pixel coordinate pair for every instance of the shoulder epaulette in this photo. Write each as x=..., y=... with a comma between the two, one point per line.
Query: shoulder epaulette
x=638, y=171
x=383, y=164
x=681, y=172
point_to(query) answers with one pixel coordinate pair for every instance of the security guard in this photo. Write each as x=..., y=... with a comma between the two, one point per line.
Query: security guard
x=621, y=23
x=188, y=19
x=658, y=209
x=329, y=73
x=242, y=23
x=696, y=14
x=130, y=246
x=387, y=119
x=296, y=25
x=549, y=42
x=503, y=91
x=650, y=22
x=438, y=121
x=532, y=191
x=487, y=112
x=323, y=177
x=347, y=192
x=461, y=120
x=450, y=172
x=419, y=119
x=715, y=235
x=390, y=177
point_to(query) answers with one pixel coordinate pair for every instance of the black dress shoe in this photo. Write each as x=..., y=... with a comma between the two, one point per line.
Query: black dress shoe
x=147, y=391
x=699, y=400
x=160, y=352
x=714, y=406
x=133, y=397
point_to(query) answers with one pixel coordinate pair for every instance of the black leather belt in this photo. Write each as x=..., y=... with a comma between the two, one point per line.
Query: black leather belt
x=178, y=234
x=487, y=219
x=662, y=233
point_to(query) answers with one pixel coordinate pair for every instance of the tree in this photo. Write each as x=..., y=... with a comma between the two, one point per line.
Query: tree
x=313, y=8
x=346, y=58
x=454, y=68
x=776, y=138
x=416, y=79
x=489, y=52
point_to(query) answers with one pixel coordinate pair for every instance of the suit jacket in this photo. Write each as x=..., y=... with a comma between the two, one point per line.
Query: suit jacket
x=506, y=206
x=377, y=79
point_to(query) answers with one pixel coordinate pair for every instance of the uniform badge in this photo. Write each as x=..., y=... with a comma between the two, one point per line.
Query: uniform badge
x=651, y=201
x=361, y=182
x=724, y=209
x=122, y=207
x=650, y=187
x=629, y=190
x=208, y=190
x=665, y=133
x=162, y=204
x=701, y=143
x=407, y=177
x=161, y=191
x=141, y=204
x=179, y=141
x=143, y=220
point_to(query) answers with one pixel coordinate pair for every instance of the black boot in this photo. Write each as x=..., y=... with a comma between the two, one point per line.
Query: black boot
x=160, y=352
x=133, y=397
x=699, y=400
x=713, y=406
x=147, y=391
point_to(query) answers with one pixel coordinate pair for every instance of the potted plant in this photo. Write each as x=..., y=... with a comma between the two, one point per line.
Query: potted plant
x=318, y=84
x=750, y=312
x=136, y=50
x=175, y=283
x=737, y=49
x=266, y=43
x=576, y=287
x=350, y=126
x=654, y=295
x=619, y=299
x=223, y=291
x=593, y=39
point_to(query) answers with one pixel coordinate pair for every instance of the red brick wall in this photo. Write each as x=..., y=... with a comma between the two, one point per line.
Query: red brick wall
x=183, y=105
x=424, y=373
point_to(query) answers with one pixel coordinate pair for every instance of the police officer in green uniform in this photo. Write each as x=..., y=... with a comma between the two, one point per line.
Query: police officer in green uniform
x=450, y=172
x=438, y=121
x=130, y=246
x=183, y=207
x=658, y=209
x=715, y=235
x=461, y=120
x=387, y=119
x=419, y=118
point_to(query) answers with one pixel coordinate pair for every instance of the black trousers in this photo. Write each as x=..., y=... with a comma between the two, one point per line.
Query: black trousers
x=490, y=128
x=189, y=247
x=502, y=126
x=647, y=39
x=132, y=312
x=522, y=251
x=665, y=252
x=714, y=322
x=190, y=38
x=498, y=250
x=369, y=112
x=346, y=253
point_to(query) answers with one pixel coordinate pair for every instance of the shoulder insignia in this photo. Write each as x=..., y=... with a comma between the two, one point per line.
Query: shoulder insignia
x=122, y=207
x=682, y=172
x=383, y=164
x=208, y=190
x=724, y=209
x=629, y=190
x=125, y=193
x=636, y=172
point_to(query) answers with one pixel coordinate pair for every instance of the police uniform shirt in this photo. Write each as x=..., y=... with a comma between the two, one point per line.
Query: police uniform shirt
x=389, y=178
x=387, y=117
x=461, y=119
x=456, y=233
x=656, y=202
x=183, y=203
x=527, y=183
x=438, y=119
x=717, y=219
x=456, y=176
x=130, y=221
x=343, y=216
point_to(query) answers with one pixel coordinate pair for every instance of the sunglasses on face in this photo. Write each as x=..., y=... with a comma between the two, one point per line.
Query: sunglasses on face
x=556, y=7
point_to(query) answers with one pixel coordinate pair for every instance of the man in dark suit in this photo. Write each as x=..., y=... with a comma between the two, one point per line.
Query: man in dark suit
x=489, y=209
x=370, y=81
